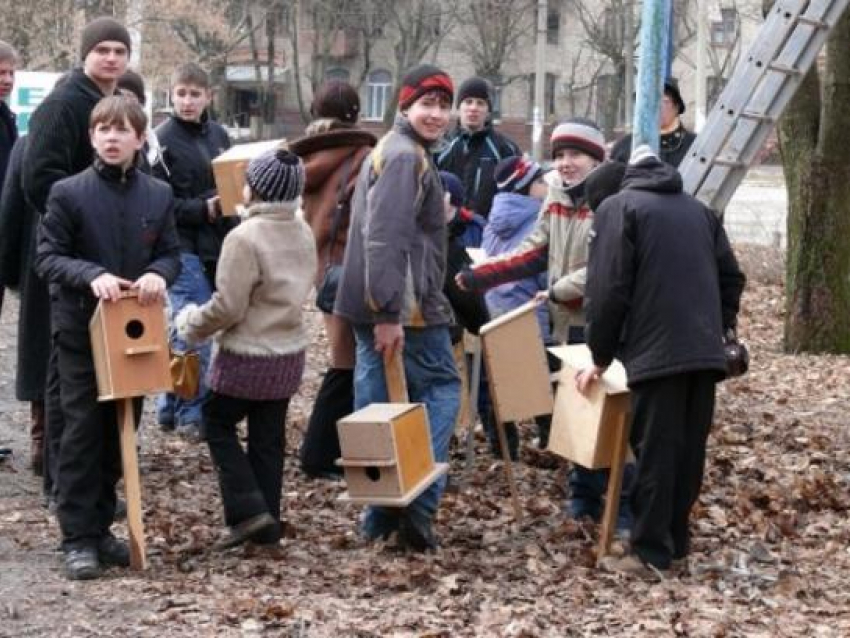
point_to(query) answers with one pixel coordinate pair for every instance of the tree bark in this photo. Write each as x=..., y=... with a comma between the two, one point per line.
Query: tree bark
x=814, y=136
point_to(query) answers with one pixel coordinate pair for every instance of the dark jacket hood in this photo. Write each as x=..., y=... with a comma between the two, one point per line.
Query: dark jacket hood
x=510, y=212
x=651, y=174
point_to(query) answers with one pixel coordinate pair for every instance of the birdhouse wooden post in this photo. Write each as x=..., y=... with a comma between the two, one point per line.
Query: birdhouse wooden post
x=130, y=352
x=593, y=430
x=518, y=375
x=386, y=447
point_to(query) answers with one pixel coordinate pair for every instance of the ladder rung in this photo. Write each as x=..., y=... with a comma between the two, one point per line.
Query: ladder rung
x=759, y=117
x=783, y=68
x=729, y=163
x=812, y=22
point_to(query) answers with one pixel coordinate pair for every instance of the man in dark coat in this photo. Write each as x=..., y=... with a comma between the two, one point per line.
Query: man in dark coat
x=58, y=146
x=663, y=286
x=473, y=150
x=674, y=140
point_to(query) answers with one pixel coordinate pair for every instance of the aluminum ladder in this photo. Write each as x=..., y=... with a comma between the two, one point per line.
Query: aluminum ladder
x=762, y=84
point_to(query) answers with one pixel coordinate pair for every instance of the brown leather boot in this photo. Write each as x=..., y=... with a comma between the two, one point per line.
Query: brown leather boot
x=37, y=437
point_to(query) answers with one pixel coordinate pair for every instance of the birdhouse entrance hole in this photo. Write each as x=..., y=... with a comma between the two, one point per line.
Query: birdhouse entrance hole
x=135, y=329
x=374, y=473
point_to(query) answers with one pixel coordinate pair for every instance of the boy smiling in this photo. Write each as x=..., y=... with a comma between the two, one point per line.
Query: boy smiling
x=391, y=288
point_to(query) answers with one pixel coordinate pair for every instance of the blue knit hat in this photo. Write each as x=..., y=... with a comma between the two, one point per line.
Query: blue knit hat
x=454, y=187
x=516, y=174
x=276, y=176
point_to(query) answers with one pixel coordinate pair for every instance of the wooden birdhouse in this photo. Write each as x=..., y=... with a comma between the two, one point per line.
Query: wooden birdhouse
x=387, y=454
x=585, y=429
x=130, y=348
x=517, y=370
x=229, y=171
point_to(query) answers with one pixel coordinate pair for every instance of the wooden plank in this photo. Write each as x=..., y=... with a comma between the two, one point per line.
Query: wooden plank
x=517, y=370
x=615, y=486
x=396, y=381
x=132, y=485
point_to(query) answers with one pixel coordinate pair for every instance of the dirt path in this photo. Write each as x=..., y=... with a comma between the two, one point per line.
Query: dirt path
x=771, y=551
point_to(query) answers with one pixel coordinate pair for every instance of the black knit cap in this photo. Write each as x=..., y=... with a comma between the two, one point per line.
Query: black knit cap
x=338, y=100
x=423, y=79
x=671, y=88
x=101, y=30
x=133, y=82
x=475, y=87
x=602, y=182
x=276, y=176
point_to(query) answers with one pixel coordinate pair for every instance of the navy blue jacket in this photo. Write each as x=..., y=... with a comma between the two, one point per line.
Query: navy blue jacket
x=103, y=220
x=472, y=157
x=188, y=149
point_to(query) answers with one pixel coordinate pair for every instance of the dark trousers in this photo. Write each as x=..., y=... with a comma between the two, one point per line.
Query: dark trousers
x=53, y=426
x=250, y=481
x=89, y=457
x=671, y=418
x=335, y=400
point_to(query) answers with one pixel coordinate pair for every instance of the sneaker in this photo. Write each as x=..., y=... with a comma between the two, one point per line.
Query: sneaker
x=113, y=552
x=81, y=563
x=246, y=530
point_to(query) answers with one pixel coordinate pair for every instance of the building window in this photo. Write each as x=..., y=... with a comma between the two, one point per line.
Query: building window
x=378, y=90
x=724, y=32
x=553, y=27
x=338, y=74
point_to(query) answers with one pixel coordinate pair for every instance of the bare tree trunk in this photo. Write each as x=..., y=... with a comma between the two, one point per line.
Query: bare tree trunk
x=295, y=27
x=815, y=145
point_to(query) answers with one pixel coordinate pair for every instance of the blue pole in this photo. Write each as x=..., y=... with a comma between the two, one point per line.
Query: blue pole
x=654, y=36
x=671, y=45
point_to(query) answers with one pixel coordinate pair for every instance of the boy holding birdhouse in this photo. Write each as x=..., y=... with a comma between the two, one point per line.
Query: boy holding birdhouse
x=107, y=229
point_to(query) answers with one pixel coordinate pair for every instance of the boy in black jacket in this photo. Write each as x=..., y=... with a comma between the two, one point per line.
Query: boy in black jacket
x=106, y=229
x=189, y=141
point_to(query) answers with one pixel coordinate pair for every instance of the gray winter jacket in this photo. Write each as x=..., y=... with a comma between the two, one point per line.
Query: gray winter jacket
x=395, y=261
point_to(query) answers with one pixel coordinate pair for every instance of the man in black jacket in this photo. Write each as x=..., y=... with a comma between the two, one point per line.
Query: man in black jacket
x=58, y=146
x=189, y=141
x=674, y=139
x=106, y=229
x=663, y=286
x=474, y=149
x=8, y=128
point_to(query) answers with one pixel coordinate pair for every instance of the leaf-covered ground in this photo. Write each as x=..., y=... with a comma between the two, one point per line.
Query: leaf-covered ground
x=771, y=544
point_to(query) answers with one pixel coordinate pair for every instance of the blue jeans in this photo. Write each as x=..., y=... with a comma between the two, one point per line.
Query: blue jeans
x=192, y=286
x=432, y=379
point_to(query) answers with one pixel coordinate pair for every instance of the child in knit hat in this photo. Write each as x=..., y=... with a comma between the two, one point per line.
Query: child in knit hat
x=559, y=244
x=265, y=273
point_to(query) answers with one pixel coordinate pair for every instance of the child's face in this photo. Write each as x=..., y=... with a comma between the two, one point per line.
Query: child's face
x=473, y=113
x=573, y=166
x=107, y=61
x=190, y=101
x=539, y=189
x=429, y=115
x=116, y=143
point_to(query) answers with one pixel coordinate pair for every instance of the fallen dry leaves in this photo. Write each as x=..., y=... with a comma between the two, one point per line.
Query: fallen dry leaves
x=771, y=547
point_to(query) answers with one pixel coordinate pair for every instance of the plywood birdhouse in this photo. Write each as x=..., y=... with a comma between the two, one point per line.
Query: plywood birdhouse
x=130, y=348
x=229, y=171
x=585, y=429
x=387, y=454
x=517, y=371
